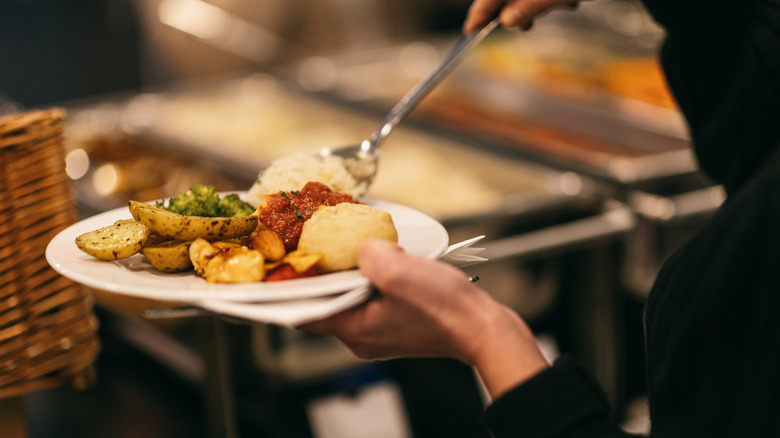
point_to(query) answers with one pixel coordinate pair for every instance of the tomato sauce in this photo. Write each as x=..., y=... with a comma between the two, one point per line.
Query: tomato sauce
x=287, y=272
x=285, y=212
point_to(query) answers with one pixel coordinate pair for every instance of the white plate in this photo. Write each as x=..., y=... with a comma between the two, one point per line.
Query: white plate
x=418, y=234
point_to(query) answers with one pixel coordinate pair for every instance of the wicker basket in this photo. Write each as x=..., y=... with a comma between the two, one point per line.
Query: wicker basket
x=48, y=330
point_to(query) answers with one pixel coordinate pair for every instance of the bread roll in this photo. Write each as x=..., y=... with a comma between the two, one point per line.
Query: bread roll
x=338, y=231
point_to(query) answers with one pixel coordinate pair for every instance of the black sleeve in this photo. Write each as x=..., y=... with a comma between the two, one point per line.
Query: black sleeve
x=712, y=326
x=562, y=401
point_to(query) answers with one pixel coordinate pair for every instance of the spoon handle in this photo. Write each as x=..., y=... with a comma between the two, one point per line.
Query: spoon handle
x=416, y=94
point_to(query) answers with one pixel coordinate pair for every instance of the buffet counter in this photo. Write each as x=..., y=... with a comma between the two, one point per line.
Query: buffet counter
x=233, y=129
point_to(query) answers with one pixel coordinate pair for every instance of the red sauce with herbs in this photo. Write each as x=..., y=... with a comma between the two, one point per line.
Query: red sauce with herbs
x=285, y=212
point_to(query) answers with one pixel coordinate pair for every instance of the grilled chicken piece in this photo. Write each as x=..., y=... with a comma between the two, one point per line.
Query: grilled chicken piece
x=225, y=262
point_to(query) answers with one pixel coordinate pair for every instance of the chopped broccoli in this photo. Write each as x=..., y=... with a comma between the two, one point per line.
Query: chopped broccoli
x=199, y=200
x=232, y=205
x=202, y=200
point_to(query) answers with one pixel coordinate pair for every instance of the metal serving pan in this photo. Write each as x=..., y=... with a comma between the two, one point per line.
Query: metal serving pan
x=583, y=98
x=234, y=128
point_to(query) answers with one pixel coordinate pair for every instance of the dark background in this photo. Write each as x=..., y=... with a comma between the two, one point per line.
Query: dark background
x=57, y=50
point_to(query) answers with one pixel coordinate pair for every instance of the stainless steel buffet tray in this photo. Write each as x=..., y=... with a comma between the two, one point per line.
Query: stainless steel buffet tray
x=236, y=127
x=575, y=98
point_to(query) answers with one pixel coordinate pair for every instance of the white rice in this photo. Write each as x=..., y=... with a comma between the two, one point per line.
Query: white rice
x=293, y=172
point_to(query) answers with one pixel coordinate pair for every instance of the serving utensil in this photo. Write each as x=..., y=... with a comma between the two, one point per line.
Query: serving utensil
x=361, y=160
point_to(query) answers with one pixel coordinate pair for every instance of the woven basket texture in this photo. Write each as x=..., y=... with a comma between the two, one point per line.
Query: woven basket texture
x=48, y=329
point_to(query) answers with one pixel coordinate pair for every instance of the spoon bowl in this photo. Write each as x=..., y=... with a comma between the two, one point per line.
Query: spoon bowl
x=360, y=161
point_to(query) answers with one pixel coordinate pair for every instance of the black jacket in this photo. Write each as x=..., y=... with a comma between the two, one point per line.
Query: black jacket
x=713, y=317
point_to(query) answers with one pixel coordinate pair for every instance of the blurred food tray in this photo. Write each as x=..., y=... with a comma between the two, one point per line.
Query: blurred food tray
x=579, y=99
x=230, y=129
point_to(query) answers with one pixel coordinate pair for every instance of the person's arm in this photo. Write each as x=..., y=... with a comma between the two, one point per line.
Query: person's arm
x=425, y=309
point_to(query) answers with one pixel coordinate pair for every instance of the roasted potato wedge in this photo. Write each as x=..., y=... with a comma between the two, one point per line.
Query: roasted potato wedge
x=133, y=206
x=269, y=244
x=155, y=238
x=187, y=228
x=115, y=242
x=169, y=256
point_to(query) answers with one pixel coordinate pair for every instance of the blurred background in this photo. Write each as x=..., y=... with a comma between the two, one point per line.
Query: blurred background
x=561, y=145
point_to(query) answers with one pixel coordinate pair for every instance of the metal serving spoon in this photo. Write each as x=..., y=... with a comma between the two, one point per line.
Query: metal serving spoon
x=361, y=160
